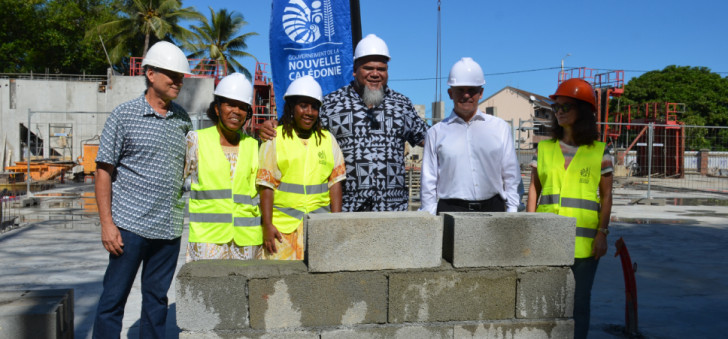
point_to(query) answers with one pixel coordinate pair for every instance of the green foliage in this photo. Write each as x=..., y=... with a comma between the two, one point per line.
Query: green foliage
x=66, y=36
x=705, y=94
x=216, y=39
x=141, y=23
x=48, y=35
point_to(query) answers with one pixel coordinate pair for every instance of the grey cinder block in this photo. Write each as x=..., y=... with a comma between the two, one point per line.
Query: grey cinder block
x=37, y=314
x=508, y=239
x=212, y=294
x=308, y=300
x=419, y=331
x=373, y=241
x=545, y=292
x=249, y=334
x=451, y=296
x=544, y=329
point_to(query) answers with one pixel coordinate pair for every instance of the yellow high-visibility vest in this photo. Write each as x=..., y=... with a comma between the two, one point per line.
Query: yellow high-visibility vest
x=221, y=210
x=572, y=192
x=304, y=183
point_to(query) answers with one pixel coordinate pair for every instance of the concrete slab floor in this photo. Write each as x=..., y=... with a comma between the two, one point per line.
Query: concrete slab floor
x=681, y=277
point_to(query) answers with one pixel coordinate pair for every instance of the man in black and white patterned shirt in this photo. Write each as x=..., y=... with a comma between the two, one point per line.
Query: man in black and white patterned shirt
x=371, y=122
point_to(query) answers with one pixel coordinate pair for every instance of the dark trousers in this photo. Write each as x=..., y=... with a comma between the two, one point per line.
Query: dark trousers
x=159, y=259
x=494, y=204
x=584, y=270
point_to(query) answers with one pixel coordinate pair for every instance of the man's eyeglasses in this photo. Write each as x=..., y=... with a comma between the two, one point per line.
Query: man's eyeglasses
x=472, y=91
x=175, y=76
x=565, y=107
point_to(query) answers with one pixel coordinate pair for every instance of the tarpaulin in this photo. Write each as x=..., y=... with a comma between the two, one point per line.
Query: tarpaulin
x=310, y=37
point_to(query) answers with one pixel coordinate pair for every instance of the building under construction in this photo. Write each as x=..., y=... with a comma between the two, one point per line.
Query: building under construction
x=55, y=121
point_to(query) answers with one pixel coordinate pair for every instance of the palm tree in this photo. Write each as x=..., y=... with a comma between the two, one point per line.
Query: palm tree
x=216, y=39
x=147, y=20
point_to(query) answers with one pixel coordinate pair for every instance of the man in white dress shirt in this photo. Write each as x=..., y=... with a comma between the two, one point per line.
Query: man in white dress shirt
x=469, y=162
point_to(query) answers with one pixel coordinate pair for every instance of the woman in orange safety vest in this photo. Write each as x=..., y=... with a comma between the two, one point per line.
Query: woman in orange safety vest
x=572, y=176
x=300, y=172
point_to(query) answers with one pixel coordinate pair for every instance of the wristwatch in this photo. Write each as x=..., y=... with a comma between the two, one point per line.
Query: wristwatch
x=604, y=230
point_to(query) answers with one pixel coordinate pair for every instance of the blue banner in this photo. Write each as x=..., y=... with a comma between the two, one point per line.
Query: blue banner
x=310, y=37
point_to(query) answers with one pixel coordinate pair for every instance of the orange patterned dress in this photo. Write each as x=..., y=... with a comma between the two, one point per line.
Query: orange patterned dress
x=269, y=175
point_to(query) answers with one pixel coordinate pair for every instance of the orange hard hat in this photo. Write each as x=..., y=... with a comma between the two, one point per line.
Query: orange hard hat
x=578, y=89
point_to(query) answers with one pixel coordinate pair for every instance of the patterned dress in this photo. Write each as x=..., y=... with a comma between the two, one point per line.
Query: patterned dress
x=269, y=175
x=372, y=141
x=201, y=250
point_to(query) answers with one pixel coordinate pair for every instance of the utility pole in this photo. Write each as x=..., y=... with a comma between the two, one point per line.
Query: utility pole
x=561, y=75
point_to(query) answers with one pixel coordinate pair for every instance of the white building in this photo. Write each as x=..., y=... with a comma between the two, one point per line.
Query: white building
x=528, y=113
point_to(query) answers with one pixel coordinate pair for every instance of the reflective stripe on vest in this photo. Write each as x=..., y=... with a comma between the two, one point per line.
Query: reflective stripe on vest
x=549, y=199
x=572, y=192
x=210, y=194
x=211, y=217
x=570, y=202
x=291, y=212
x=296, y=214
x=301, y=189
x=305, y=171
x=222, y=209
x=586, y=232
x=246, y=222
x=246, y=199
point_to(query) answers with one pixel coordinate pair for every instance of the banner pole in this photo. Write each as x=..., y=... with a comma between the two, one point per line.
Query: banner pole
x=355, y=22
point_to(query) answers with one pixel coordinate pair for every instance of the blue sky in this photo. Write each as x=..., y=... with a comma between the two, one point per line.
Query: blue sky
x=511, y=38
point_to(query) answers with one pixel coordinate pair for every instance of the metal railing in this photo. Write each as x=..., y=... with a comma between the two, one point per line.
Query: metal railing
x=666, y=156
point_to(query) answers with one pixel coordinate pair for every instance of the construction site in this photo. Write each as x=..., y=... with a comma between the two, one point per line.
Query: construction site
x=663, y=182
x=665, y=190
x=52, y=126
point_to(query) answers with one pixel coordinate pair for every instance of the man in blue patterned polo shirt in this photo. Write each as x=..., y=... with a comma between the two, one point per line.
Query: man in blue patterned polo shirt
x=139, y=194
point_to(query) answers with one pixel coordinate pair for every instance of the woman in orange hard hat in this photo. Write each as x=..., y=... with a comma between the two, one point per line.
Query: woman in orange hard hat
x=300, y=172
x=572, y=176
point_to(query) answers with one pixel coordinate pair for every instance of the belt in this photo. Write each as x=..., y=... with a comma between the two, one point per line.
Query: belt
x=471, y=205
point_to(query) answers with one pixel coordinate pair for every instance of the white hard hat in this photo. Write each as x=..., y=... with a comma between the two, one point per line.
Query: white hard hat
x=305, y=86
x=371, y=45
x=237, y=87
x=466, y=72
x=167, y=56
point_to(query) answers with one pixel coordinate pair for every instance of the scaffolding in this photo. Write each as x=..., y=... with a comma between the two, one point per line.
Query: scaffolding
x=264, y=103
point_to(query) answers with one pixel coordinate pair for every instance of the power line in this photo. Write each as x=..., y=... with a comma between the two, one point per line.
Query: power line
x=486, y=74
x=523, y=71
x=540, y=70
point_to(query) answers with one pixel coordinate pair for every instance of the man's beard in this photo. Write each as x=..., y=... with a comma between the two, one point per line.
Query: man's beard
x=373, y=97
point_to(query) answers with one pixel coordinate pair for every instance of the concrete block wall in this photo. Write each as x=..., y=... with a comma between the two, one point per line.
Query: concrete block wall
x=41, y=314
x=384, y=275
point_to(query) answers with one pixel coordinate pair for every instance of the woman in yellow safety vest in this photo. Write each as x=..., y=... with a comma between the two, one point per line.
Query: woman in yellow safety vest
x=300, y=172
x=222, y=162
x=567, y=173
